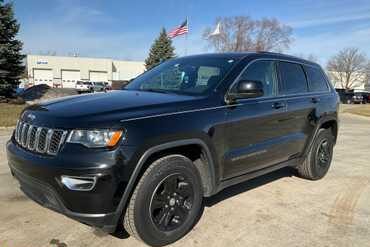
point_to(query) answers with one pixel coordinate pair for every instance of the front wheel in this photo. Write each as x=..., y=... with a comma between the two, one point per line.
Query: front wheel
x=166, y=202
x=318, y=160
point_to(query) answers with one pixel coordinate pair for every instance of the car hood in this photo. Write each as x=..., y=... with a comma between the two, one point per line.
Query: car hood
x=98, y=109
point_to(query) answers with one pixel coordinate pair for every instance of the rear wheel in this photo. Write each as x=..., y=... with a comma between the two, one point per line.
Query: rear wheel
x=319, y=158
x=166, y=202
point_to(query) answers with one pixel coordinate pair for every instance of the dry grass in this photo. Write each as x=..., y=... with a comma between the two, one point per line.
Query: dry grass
x=363, y=110
x=9, y=114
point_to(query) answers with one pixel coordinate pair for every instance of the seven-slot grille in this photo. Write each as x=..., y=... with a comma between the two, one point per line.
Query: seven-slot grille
x=39, y=139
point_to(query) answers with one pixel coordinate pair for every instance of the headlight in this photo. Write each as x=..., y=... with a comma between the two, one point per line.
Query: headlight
x=95, y=138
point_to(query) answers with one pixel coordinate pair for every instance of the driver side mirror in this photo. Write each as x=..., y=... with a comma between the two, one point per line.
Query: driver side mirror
x=247, y=89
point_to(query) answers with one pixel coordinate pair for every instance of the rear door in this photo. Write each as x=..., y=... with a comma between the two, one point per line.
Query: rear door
x=321, y=98
x=299, y=122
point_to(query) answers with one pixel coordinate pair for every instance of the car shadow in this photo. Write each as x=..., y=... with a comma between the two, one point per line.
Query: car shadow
x=248, y=185
x=222, y=195
x=120, y=232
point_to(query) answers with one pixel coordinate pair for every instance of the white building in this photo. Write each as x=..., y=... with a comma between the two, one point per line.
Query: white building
x=358, y=82
x=58, y=71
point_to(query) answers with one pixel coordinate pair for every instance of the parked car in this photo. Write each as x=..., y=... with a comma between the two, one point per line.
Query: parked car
x=84, y=86
x=107, y=86
x=20, y=88
x=99, y=86
x=145, y=157
x=358, y=98
x=345, y=95
x=366, y=97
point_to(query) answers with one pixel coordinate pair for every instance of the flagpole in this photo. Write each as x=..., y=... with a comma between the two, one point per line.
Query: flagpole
x=186, y=37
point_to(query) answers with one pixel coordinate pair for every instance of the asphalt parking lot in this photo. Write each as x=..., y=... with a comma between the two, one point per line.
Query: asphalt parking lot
x=277, y=209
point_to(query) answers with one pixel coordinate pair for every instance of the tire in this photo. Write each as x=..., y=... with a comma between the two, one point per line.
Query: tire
x=316, y=164
x=145, y=220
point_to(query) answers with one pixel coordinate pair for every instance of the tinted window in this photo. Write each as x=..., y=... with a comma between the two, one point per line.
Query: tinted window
x=316, y=79
x=293, y=78
x=263, y=71
x=188, y=75
x=207, y=75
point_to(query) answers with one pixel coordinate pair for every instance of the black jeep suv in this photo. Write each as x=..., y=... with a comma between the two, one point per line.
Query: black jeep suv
x=145, y=156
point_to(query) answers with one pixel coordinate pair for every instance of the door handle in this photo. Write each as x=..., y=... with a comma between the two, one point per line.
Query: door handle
x=278, y=105
x=315, y=100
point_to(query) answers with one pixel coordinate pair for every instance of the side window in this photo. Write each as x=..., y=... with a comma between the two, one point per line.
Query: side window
x=263, y=71
x=207, y=74
x=316, y=79
x=293, y=79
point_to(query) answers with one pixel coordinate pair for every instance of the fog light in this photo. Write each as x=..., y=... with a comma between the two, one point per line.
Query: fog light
x=78, y=183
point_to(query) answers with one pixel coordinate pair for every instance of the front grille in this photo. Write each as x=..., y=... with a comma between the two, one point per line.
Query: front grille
x=39, y=139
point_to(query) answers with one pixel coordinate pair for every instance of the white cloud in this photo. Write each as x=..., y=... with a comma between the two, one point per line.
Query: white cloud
x=74, y=30
x=308, y=13
x=66, y=40
x=74, y=27
x=325, y=45
x=312, y=22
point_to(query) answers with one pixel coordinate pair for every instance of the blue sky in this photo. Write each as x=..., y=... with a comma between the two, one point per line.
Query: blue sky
x=124, y=29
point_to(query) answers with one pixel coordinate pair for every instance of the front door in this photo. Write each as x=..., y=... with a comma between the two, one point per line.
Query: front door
x=255, y=126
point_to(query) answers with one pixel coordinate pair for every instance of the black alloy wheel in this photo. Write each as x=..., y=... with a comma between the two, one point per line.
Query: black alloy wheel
x=323, y=155
x=171, y=202
x=318, y=160
x=166, y=202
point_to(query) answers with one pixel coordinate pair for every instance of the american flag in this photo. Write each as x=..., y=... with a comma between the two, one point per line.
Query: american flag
x=180, y=30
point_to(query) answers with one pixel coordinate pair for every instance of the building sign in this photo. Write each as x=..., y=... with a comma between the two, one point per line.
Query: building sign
x=42, y=62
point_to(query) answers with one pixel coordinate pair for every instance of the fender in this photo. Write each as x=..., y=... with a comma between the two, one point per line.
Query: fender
x=135, y=175
x=321, y=121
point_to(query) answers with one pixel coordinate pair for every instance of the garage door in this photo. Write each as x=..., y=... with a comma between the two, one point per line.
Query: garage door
x=43, y=76
x=70, y=77
x=98, y=76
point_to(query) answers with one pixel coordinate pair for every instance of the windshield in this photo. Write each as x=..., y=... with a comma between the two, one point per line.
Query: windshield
x=189, y=75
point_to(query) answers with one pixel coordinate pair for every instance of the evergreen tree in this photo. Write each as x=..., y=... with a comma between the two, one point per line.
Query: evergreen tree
x=161, y=50
x=11, y=59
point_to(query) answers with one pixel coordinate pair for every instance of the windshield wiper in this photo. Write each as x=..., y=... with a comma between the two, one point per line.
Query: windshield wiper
x=156, y=90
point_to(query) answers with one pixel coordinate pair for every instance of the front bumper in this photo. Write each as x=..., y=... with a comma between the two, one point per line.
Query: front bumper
x=83, y=89
x=39, y=178
x=47, y=197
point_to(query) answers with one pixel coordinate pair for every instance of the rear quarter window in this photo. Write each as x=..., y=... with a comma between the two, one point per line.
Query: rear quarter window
x=316, y=79
x=293, y=79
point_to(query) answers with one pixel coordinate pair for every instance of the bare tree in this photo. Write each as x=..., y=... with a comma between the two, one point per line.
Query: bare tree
x=348, y=67
x=241, y=33
x=367, y=76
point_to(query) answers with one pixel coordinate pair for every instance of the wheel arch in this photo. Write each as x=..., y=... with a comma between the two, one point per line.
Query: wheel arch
x=206, y=169
x=324, y=123
x=332, y=125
